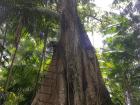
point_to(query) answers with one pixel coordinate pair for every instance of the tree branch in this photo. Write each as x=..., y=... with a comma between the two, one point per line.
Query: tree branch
x=94, y=17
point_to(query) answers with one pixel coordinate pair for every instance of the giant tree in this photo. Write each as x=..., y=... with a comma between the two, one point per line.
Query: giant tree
x=74, y=77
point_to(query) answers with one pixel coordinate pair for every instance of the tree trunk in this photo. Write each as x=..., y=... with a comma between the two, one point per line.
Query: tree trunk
x=128, y=98
x=74, y=77
x=128, y=91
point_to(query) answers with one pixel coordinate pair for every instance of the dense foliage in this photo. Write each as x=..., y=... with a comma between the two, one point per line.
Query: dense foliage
x=121, y=55
x=28, y=26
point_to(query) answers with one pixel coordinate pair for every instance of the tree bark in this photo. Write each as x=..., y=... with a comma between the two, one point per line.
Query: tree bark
x=128, y=91
x=74, y=72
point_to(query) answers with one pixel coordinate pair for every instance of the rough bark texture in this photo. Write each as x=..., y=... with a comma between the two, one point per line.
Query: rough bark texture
x=128, y=92
x=74, y=77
